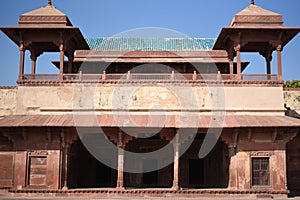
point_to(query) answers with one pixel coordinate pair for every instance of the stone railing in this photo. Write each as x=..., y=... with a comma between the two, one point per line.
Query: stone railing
x=49, y=79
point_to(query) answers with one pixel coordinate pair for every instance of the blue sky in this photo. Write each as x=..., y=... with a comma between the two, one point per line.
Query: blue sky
x=105, y=18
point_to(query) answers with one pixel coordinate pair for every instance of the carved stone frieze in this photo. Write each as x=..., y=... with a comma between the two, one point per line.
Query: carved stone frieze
x=43, y=19
x=261, y=154
x=258, y=19
x=230, y=83
x=37, y=153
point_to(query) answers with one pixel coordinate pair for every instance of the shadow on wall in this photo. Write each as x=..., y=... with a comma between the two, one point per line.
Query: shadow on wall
x=291, y=113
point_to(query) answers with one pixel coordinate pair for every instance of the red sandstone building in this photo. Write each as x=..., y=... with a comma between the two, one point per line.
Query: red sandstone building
x=44, y=125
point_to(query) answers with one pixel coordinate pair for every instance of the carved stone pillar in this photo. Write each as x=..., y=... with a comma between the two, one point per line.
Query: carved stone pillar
x=66, y=148
x=268, y=61
x=279, y=61
x=22, y=57
x=33, y=59
x=61, y=61
x=120, y=178
x=176, y=145
x=268, y=57
x=239, y=63
x=232, y=168
x=231, y=71
x=184, y=68
x=231, y=139
x=67, y=139
x=70, y=64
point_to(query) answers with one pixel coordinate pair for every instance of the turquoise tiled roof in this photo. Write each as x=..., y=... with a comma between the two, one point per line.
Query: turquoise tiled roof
x=150, y=44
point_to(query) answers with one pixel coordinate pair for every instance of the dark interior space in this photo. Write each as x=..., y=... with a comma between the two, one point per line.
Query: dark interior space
x=85, y=171
x=161, y=178
x=196, y=172
x=293, y=166
x=210, y=172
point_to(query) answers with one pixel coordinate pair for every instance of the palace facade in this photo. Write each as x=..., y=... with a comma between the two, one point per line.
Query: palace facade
x=73, y=133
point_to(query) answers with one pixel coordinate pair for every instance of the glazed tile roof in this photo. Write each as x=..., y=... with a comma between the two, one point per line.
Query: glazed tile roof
x=150, y=44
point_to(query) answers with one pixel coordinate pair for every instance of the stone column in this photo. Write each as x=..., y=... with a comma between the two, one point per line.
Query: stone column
x=268, y=66
x=70, y=64
x=231, y=71
x=66, y=148
x=268, y=69
x=268, y=57
x=239, y=63
x=61, y=60
x=33, y=65
x=184, y=68
x=279, y=61
x=231, y=139
x=66, y=141
x=176, y=146
x=120, y=179
x=232, y=168
x=22, y=57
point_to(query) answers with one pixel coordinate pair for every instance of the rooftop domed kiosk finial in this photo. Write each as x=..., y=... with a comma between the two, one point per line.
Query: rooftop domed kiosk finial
x=49, y=3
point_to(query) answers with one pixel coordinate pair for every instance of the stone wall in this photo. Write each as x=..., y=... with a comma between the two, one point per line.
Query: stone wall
x=8, y=100
x=32, y=100
x=292, y=99
x=144, y=98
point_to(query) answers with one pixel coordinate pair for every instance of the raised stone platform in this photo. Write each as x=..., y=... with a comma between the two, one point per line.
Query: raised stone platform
x=151, y=193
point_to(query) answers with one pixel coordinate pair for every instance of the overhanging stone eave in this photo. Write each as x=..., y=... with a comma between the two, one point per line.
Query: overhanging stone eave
x=150, y=54
x=225, y=32
x=12, y=33
x=171, y=121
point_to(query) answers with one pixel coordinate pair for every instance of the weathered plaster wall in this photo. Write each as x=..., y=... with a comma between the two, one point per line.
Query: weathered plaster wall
x=8, y=101
x=62, y=99
x=292, y=99
x=106, y=98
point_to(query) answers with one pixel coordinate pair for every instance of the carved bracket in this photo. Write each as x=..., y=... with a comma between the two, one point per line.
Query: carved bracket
x=34, y=54
x=290, y=135
x=167, y=136
x=267, y=54
x=276, y=44
x=67, y=138
x=231, y=138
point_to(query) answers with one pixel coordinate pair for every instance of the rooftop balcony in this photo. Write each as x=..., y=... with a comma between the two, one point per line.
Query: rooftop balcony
x=194, y=78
